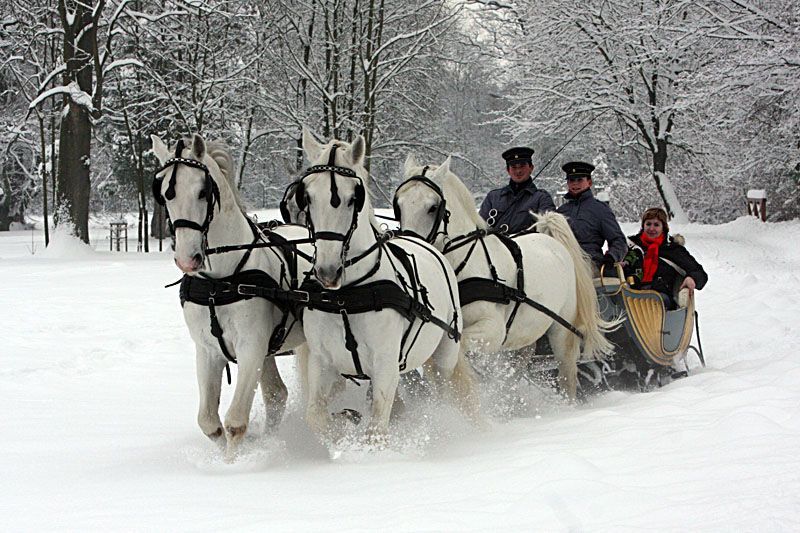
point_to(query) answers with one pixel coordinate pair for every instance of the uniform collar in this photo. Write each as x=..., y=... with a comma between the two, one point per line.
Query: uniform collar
x=585, y=195
x=525, y=186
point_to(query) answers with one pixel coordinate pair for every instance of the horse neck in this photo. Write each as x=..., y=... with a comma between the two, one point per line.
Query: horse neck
x=229, y=226
x=460, y=221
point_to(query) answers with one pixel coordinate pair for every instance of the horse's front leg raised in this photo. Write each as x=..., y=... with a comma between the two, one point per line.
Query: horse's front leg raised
x=209, y=381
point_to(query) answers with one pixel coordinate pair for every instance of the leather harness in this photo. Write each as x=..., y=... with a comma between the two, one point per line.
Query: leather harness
x=407, y=295
x=482, y=289
x=493, y=290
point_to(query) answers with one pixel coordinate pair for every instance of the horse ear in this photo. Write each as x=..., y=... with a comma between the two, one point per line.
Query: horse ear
x=311, y=147
x=410, y=164
x=445, y=167
x=198, y=145
x=159, y=148
x=358, y=149
x=442, y=172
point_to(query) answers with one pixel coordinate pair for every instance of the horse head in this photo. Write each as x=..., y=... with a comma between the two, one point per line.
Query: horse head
x=419, y=203
x=334, y=198
x=290, y=212
x=186, y=185
x=433, y=202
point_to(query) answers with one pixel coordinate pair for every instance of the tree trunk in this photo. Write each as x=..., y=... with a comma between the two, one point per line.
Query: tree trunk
x=73, y=170
x=75, y=137
x=43, y=148
x=664, y=185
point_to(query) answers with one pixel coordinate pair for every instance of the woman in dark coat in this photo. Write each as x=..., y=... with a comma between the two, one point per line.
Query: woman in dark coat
x=658, y=261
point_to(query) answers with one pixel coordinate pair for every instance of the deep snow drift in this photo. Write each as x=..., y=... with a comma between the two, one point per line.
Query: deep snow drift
x=98, y=388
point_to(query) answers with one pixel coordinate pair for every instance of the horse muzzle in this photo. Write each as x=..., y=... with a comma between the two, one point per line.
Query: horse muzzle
x=193, y=264
x=329, y=277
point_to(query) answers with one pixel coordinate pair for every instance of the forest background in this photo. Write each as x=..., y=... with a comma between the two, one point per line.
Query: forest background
x=685, y=104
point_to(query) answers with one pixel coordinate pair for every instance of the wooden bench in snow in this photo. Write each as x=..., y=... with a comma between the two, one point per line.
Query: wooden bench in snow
x=757, y=203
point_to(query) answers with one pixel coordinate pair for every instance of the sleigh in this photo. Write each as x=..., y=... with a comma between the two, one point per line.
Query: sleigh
x=652, y=344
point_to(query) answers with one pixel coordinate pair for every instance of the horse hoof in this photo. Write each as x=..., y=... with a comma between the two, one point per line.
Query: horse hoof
x=349, y=415
x=216, y=435
x=235, y=436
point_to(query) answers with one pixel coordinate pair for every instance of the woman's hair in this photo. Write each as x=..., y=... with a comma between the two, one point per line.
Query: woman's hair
x=658, y=214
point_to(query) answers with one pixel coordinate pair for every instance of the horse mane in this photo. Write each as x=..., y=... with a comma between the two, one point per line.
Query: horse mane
x=455, y=190
x=218, y=151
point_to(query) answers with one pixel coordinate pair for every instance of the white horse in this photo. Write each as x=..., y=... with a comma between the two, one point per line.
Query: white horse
x=205, y=209
x=348, y=257
x=556, y=272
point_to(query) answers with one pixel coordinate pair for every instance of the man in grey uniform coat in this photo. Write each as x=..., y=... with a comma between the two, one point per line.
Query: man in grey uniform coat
x=509, y=208
x=591, y=220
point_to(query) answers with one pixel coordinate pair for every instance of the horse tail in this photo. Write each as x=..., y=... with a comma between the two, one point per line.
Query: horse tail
x=587, y=317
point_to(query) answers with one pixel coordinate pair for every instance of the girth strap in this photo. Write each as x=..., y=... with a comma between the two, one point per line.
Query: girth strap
x=216, y=331
x=211, y=292
x=351, y=344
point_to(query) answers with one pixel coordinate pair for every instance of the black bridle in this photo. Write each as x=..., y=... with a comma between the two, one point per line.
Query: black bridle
x=442, y=213
x=210, y=192
x=301, y=197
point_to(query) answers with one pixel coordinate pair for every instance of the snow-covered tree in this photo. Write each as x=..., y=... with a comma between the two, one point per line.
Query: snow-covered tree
x=637, y=60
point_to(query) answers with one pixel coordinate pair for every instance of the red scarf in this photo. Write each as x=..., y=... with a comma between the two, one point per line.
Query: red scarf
x=651, y=257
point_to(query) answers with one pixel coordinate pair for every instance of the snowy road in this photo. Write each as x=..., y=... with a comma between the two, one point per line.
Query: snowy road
x=98, y=387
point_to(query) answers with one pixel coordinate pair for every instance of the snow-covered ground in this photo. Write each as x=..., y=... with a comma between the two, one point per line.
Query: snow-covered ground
x=98, y=390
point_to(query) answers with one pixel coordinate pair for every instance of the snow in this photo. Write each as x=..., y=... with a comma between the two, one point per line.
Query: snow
x=72, y=89
x=756, y=194
x=98, y=387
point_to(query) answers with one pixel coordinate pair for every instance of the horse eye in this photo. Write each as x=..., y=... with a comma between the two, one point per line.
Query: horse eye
x=432, y=209
x=202, y=195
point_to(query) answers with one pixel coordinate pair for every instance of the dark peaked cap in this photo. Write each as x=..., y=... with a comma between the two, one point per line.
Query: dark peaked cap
x=578, y=169
x=519, y=154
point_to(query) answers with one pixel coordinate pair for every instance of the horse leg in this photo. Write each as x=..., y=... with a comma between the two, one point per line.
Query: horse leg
x=209, y=381
x=384, y=391
x=566, y=350
x=251, y=361
x=273, y=392
x=319, y=386
x=454, y=373
x=485, y=335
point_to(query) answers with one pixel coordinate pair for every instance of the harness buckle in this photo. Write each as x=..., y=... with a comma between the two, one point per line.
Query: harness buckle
x=325, y=297
x=302, y=296
x=246, y=290
x=518, y=295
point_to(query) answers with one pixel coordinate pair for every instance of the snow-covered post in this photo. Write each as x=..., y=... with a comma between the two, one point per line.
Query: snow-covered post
x=757, y=203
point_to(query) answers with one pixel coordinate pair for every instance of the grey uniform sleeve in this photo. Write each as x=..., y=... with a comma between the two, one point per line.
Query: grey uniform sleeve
x=545, y=202
x=486, y=206
x=617, y=243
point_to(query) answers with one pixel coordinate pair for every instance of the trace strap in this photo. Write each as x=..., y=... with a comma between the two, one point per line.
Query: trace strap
x=494, y=290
